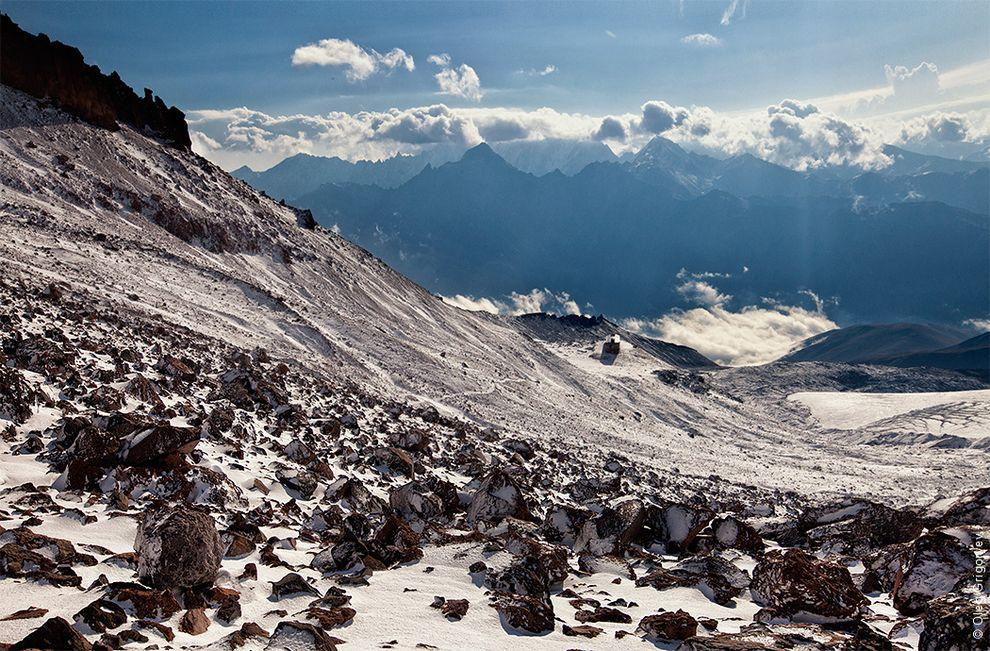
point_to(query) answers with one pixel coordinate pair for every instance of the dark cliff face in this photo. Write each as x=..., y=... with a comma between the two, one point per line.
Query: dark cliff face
x=43, y=68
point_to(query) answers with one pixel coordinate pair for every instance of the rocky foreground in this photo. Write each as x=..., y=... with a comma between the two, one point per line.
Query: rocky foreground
x=164, y=490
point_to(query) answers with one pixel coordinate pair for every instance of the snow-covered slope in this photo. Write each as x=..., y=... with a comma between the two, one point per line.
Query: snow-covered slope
x=165, y=232
x=361, y=448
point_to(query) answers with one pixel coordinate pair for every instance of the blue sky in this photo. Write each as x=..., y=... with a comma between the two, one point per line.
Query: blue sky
x=603, y=59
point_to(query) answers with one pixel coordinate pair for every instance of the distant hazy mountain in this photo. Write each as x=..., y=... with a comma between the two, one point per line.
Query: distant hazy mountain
x=303, y=173
x=910, y=163
x=541, y=157
x=865, y=343
x=970, y=355
x=608, y=237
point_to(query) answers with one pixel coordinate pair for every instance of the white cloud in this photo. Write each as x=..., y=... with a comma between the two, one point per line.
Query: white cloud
x=609, y=33
x=549, y=69
x=659, y=116
x=736, y=7
x=471, y=304
x=922, y=80
x=202, y=144
x=611, y=128
x=702, y=40
x=516, y=304
x=461, y=81
x=982, y=325
x=442, y=59
x=359, y=62
x=702, y=293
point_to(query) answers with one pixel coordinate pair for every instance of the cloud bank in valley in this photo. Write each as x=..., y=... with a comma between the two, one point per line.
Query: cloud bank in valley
x=752, y=334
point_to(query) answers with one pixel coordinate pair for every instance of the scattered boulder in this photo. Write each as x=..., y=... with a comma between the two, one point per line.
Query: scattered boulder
x=292, y=585
x=525, y=613
x=731, y=532
x=194, y=622
x=933, y=565
x=603, y=614
x=299, y=636
x=452, y=609
x=497, y=498
x=675, y=525
x=857, y=527
x=794, y=584
x=55, y=633
x=178, y=547
x=668, y=627
x=101, y=616
x=716, y=578
x=584, y=630
x=611, y=531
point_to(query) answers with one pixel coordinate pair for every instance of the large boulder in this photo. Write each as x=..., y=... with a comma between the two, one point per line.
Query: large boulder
x=857, y=527
x=954, y=623
x=55, y=633
x=675, y=525
x=525, y=613
x=611, y=531
x=934, y=564
x=731, y=532
x=178, y=547
x=497, y=498
x=796, y=585
x=970, y=508
x=668, y=627
x=715, y=577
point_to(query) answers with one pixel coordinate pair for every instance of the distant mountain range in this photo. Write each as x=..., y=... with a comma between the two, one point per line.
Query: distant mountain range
x=616, y=234
x=662, y=164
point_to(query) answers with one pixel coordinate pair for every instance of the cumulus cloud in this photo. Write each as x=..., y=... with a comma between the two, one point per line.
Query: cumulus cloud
x=659, y=116
x=702, y=40
x=516, y=303
x=260, y=140
x=442, y=59
x=940, y=127
x=460, y=81
x=920, y=81
x=358, y=62
x=700, y=292
x=426, y=125
x=611, y=128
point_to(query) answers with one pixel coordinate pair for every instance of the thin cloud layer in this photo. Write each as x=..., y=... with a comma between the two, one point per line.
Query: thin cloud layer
x=516, y=304
x=359, y=63
x=703, y=40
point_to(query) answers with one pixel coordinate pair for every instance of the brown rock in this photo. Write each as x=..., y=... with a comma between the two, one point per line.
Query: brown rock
x=668, y=627
x=581, y=631
x=194, y=622
x=793, y=583
x=55, y=633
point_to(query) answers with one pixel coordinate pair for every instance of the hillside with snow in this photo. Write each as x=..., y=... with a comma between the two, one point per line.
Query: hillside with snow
x=224, y=426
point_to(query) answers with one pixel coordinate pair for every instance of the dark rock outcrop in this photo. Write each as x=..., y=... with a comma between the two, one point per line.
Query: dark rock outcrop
x=50, y=69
